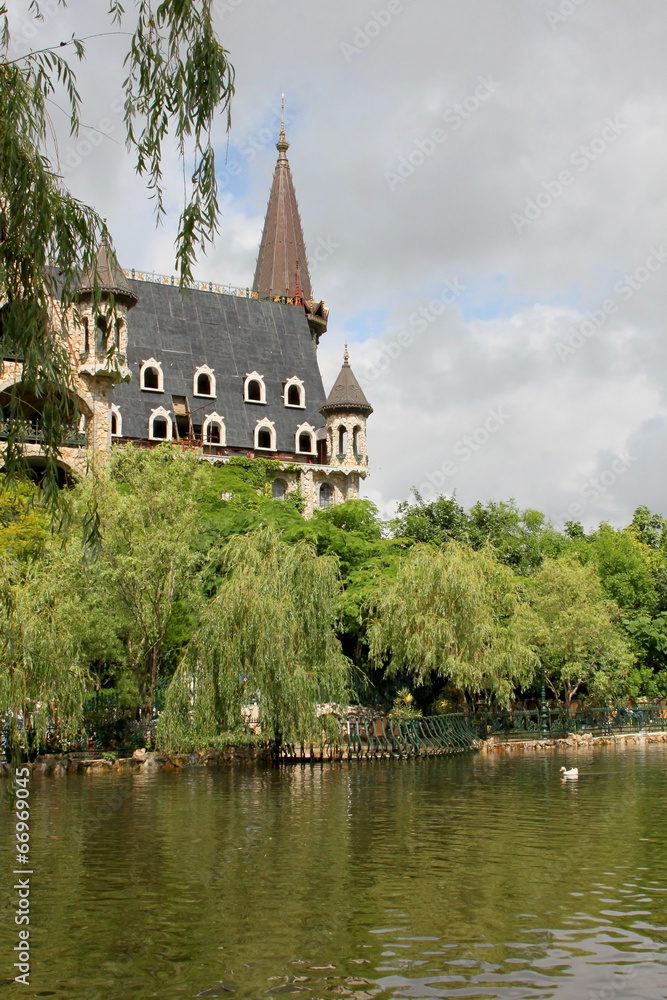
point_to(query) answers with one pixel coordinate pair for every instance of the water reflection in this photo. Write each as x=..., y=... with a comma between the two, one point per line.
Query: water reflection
x=475, y=877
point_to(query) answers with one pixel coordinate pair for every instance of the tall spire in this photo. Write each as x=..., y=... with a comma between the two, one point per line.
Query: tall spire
x=282, y=252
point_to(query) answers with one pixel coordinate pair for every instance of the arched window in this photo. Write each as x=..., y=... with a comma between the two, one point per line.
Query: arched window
x=265, y=435
x=116, y=422
x=86, y=336
x=278, y=489
x=204, y=382
x=356, y=441
x=159, y=425
x=102, y=333
x=326, y=495
x=342, y=442
x=116, y=337
x=294, y=393
x=213, y=431
x=254, y=390
x=304, y=439
x=150, y=376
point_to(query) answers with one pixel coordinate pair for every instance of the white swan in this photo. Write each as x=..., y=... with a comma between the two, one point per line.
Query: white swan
x=572, y=772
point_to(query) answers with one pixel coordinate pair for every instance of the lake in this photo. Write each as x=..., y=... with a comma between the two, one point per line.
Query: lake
x=471, y=877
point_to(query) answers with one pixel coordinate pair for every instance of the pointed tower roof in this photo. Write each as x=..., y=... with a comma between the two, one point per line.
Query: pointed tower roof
x=282, y=267
x=346, y=394
x=111, y=279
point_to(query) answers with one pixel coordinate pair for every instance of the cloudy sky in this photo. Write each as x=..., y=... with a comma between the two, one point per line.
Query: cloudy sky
x=483, y=188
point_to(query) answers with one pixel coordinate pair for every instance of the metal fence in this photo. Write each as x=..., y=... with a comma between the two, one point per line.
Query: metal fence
x=380, y=736
x=551, y=722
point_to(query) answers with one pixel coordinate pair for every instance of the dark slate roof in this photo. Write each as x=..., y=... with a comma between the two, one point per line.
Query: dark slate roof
x=110, y=277
x=232, y=335
x=282, y=247
x=346, y=394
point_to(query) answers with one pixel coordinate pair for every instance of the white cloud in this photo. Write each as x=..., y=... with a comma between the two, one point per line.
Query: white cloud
x=351, y=120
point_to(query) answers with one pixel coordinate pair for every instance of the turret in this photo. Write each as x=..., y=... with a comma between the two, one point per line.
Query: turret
x=346, y=411
x=98, y=331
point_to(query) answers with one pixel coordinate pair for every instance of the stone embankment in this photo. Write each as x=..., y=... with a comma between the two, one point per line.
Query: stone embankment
x=141, y=760
x=574, y=741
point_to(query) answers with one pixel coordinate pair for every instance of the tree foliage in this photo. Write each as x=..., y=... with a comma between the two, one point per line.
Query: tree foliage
x=575, y=629
x=42, y=669
x=267, y=635
x=452, y=614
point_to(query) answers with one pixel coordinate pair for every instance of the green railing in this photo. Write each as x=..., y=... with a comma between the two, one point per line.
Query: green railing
x=557, y=722
x=373, y=737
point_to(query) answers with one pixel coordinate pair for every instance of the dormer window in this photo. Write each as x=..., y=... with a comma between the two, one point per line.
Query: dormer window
x=213, y=431
x=265, y=436
x=204, y=382
x=151, y=378
x=254, y=390
x=305, y=440
x=294, y=393
x=160, y=425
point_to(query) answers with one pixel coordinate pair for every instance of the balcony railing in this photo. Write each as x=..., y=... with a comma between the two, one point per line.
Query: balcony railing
x=33, y=435
x=206, y=286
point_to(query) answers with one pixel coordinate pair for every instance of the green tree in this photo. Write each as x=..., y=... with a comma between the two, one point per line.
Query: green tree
x=576, y=631
x=268, y=634
x=439, y=521
x=148, y=569
x=23, y=524
x=42, y=670
x=452, y=614
x=177, y=78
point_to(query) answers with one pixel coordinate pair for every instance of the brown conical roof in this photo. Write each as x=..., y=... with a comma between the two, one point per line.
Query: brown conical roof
x=282, y=252
x=346, y=394
x=110, y=277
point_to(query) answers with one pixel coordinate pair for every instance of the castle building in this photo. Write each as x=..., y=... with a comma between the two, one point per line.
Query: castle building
x=223, y=370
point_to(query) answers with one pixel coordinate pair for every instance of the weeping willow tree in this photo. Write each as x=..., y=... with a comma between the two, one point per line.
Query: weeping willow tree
x=178, y=80
x=42, y=676
x=452, y=614
x=267, y=635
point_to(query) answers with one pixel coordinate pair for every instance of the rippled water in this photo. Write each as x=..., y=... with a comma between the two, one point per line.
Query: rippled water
x=472, y=877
